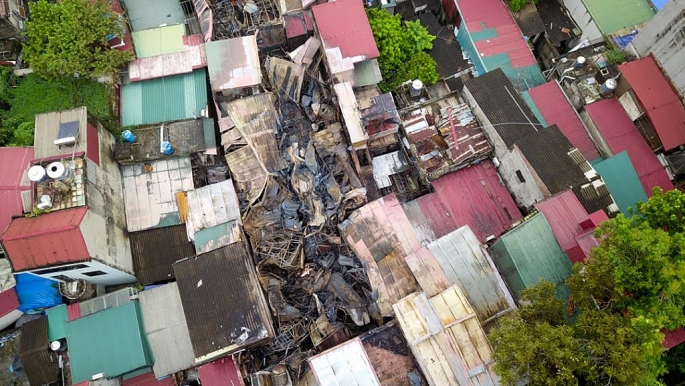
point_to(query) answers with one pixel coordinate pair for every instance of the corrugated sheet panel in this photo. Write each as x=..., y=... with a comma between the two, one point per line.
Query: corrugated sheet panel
x=159, y=41
x=446, y=338
x=220, y=372
x=233, y=63
x=557, y=110
x=467, y=264
x=661, y=103
x=622, y=181
x=475, y=196
x=528, y=253
x=167, y=330
x=224, y=313
x=621, y=134
x=502, y=105
x=344, y=364
x=343, y=24
x=382, y=237
x=564, y=213
x=389, y=354
x=123, y=349
x=155, y=250
x=210, y=206
x=57, y=322
x=533, y=107
x=8, y=301
x=148, y=379
x=103, y=302
x=148, y=14
x=609, y=21
x=190, y=58
x=49, y=239
x=13, y=181
x=164, y=99
x=40, y=366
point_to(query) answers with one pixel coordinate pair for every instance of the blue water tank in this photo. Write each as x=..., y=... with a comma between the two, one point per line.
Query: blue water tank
x=127, y=136
x=167, y=148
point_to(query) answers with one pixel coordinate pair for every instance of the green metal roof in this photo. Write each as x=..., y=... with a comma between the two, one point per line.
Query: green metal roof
x=110, y=341
x=528, y=253
x=533, y=107
x=146, y=14
x=159, y=41
x=164, y=99
x=622, y=181
x=57, y=322
x=613, y=15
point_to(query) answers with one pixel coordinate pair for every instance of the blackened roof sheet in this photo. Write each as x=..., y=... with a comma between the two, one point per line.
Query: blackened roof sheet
x=503, y=106
x=223, y=302
x=34, y=354
x=155, y=250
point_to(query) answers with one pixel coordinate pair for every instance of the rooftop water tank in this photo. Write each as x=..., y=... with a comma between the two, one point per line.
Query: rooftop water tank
x=579, y=62
x=57, y=171
x=416, y=88
x=128, y=136
x=167, y=148
x=609, y=86
x=37, y=174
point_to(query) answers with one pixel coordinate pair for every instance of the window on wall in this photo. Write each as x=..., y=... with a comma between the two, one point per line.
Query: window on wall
x=60, y=269
x=520, y=176
x=94, y=273
x=62, y=278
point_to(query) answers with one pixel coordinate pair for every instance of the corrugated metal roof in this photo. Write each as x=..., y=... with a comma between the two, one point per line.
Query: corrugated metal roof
x=350, y=111
x=148, y=14
x=148, y=379
x=57, y=322
x=149, y=196
x=111, y=341
x=155, y=250
x=40, y=366
x=466, y=263
x=47, y=130
x=210, y=206
x=632, y=14
x=389, y=354
x=381, y=236
x=446, y=338
x=622, y=181
x=528, y=253
x=502, y=105
x=8, y=301
x=191, y=57
x=344, y=364
x=673, y=338
x=345, y=32
x=165, y=99
x=430, y=217
x=557, y=110
x=621, y=135
x=661, y=103
x=564, y=213
x=224, y=314
x=221, y=372
x=166, y=329
x=475, y=196
x=49, y=239
x=159, y=41
x=13, y=180
x=233, y=63
x=529, y=20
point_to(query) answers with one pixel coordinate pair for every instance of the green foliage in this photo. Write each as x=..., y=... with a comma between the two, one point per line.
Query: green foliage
x=70, y=36
x=516, y=5
x=35, y=95
x=615, y=55
x=402, y=49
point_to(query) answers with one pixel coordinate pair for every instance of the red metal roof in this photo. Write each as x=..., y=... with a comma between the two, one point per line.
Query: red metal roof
x=475, y=196
x=661, y=103
x=621, y=134
x=14, y=161
x=221, y=372
x=148, y=379
x=556, y=109
x=493, y=14
x=564, y=213
x=343, y=24
x=73, y=311
x=8, y=301
x=46, y=240
x=673, y=338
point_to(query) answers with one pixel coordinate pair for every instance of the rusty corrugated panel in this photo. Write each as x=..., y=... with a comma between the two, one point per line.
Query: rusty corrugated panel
x=41, y=367
x=389, y=355
x=223, y=302
x=155, y=250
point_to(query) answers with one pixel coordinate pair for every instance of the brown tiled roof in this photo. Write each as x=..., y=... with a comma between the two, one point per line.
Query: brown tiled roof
x=155, y=250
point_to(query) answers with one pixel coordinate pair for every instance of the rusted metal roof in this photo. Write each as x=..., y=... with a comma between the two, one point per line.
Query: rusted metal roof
x=13, y=181
x=40, y=365
x=155, y=250
x=8, y=301
x=191, y=57
x=346, y=34
x=350, y=112
x=223, y=302
x=382, y=237
x=209, y=207
x=390, y=355
x=49, y=239
x=233, y=63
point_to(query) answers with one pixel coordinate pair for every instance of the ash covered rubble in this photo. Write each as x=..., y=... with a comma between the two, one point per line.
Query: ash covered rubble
x=316, y=287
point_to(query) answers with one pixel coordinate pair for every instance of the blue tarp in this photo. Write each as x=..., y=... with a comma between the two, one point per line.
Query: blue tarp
x=658, y=4
x=35, y=292
x=623, y=41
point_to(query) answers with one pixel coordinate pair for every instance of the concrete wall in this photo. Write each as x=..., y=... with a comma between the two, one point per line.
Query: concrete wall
x=583, y=20
x=10, y=25
x=109, y=245
x=500, y=148
x=664, y=38
x=525, y=193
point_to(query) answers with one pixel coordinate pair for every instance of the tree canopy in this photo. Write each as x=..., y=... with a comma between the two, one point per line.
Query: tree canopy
x=70, y=36
x=402, y=48
x=621, y=300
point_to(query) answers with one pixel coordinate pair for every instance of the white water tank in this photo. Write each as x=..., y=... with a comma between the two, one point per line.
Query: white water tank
x=37, y=174
x=609, y=86
x=579, y=62
x=57, y=171
x=416, y=88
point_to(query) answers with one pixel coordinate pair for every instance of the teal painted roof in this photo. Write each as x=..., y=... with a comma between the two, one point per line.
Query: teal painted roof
x=57, y=322
x=164, y=99
x=111, y=341
x=159, y=41
x=613, y=15
x=621, y=179
x=530, y=252
x=533, y=107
